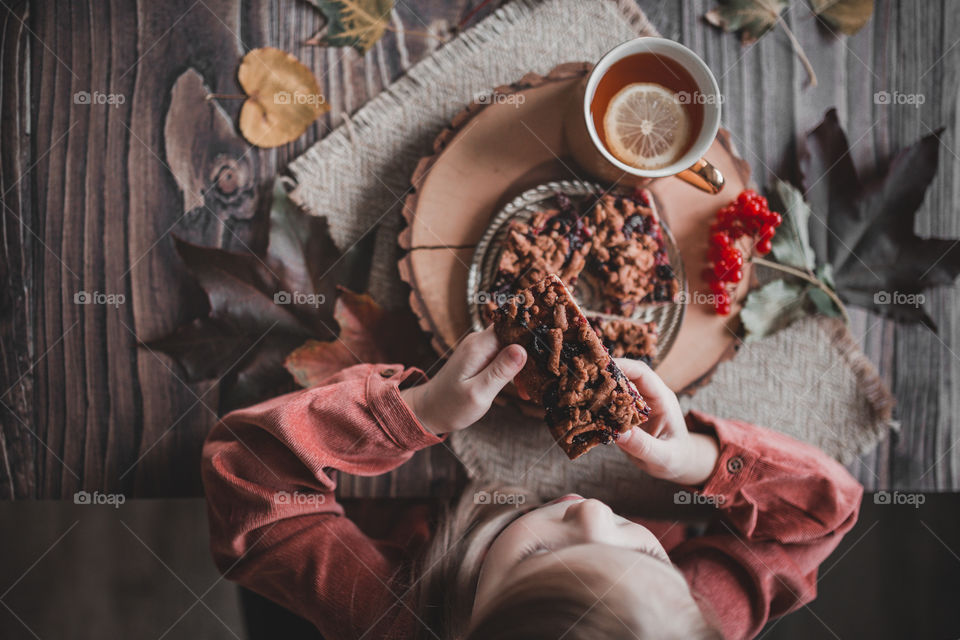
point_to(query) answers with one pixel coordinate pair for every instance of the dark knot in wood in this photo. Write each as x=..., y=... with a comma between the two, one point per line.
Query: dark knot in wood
x=231, y=179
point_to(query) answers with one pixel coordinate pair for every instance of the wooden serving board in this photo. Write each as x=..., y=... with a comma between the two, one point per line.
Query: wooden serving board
x=494, y=150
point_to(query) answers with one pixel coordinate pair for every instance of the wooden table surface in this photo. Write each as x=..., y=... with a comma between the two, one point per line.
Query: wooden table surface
x=90, y=202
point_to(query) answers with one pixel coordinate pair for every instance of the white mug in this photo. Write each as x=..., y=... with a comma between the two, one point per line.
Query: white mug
x=588, y=149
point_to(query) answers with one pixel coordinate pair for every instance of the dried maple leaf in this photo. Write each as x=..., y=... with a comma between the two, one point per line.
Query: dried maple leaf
x=753, y=19
x=865, y=230
x=258, y=308
x=283, y=97
x=846, y=16
x=352, y=23
x=368, y=333
x=243, y=329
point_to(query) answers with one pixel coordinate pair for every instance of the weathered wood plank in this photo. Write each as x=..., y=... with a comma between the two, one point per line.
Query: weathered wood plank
x=18, y=445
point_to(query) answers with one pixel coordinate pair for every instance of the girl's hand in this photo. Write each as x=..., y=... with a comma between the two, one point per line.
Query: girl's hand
x=662, y=446
x=463, y=389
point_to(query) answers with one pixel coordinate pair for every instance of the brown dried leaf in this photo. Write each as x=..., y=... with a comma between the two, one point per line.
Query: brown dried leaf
x=865, y=229
x=846, y=16
x=284, y=97
x=252, y=320
x=752, y=18
x=368, y=333
x=360, y=319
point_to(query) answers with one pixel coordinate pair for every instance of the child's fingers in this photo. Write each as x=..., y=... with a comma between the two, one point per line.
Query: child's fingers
x=631, y=368
x=475, y=352
x=647, y=381
x=640, y=444
x=495, y=376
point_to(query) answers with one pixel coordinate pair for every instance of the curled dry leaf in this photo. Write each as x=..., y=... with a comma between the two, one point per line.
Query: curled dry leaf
x=254, y=309
x=846, y=16
x=284, y=97
x=352, y=23
x=754, y=18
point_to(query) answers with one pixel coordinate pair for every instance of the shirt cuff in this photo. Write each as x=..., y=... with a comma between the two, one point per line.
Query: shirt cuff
x=736, y=460
x=393, y=414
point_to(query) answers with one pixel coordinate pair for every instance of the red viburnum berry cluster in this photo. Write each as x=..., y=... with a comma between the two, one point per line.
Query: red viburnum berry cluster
x=748, y=216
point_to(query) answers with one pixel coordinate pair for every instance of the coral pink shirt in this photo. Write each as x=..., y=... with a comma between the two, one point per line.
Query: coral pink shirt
x=277, y=529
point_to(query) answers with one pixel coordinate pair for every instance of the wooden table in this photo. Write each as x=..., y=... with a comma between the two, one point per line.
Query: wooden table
x=90, y=200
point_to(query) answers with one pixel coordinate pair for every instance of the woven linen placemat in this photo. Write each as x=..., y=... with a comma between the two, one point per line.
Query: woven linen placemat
x=809, y=381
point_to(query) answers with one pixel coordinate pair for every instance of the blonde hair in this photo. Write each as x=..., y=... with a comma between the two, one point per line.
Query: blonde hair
x=543, y=605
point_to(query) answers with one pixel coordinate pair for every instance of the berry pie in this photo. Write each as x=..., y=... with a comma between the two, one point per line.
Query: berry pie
x=613, y=243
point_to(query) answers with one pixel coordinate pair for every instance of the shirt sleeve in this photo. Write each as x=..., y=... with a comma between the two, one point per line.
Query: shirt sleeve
x=275, y=525
x=784, y=506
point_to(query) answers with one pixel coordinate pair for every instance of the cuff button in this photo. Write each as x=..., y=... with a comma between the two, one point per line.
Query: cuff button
x=735, y=464
x=388, y=373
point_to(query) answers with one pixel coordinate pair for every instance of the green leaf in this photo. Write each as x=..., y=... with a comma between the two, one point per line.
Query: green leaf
x=791, y=244
x=824, y=273
x=771, y=308
x=821, y=301
x=752, y=18
x=866, y=231
x=846, y=16
x=352, y=23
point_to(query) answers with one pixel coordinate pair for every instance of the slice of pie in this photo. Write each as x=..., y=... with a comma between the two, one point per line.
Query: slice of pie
x=626, y=338
x=587, y=399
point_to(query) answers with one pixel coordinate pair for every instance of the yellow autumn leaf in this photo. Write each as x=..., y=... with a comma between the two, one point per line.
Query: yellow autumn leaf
x=353, y=23
x=283, y=97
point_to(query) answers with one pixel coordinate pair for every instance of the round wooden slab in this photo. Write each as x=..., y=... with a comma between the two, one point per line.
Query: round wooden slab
x=513, y=141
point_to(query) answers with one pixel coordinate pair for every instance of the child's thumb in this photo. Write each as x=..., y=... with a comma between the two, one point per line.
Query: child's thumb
x=499, y=372
x=638, y=443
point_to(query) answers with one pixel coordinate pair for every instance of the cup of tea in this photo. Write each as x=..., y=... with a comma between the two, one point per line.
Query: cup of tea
x=650, y=108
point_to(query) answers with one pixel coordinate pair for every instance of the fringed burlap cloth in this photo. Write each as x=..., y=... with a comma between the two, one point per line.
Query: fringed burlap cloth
x=809, y=381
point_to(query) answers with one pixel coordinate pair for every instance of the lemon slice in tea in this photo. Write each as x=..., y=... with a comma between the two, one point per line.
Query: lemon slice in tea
x=645, y=126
